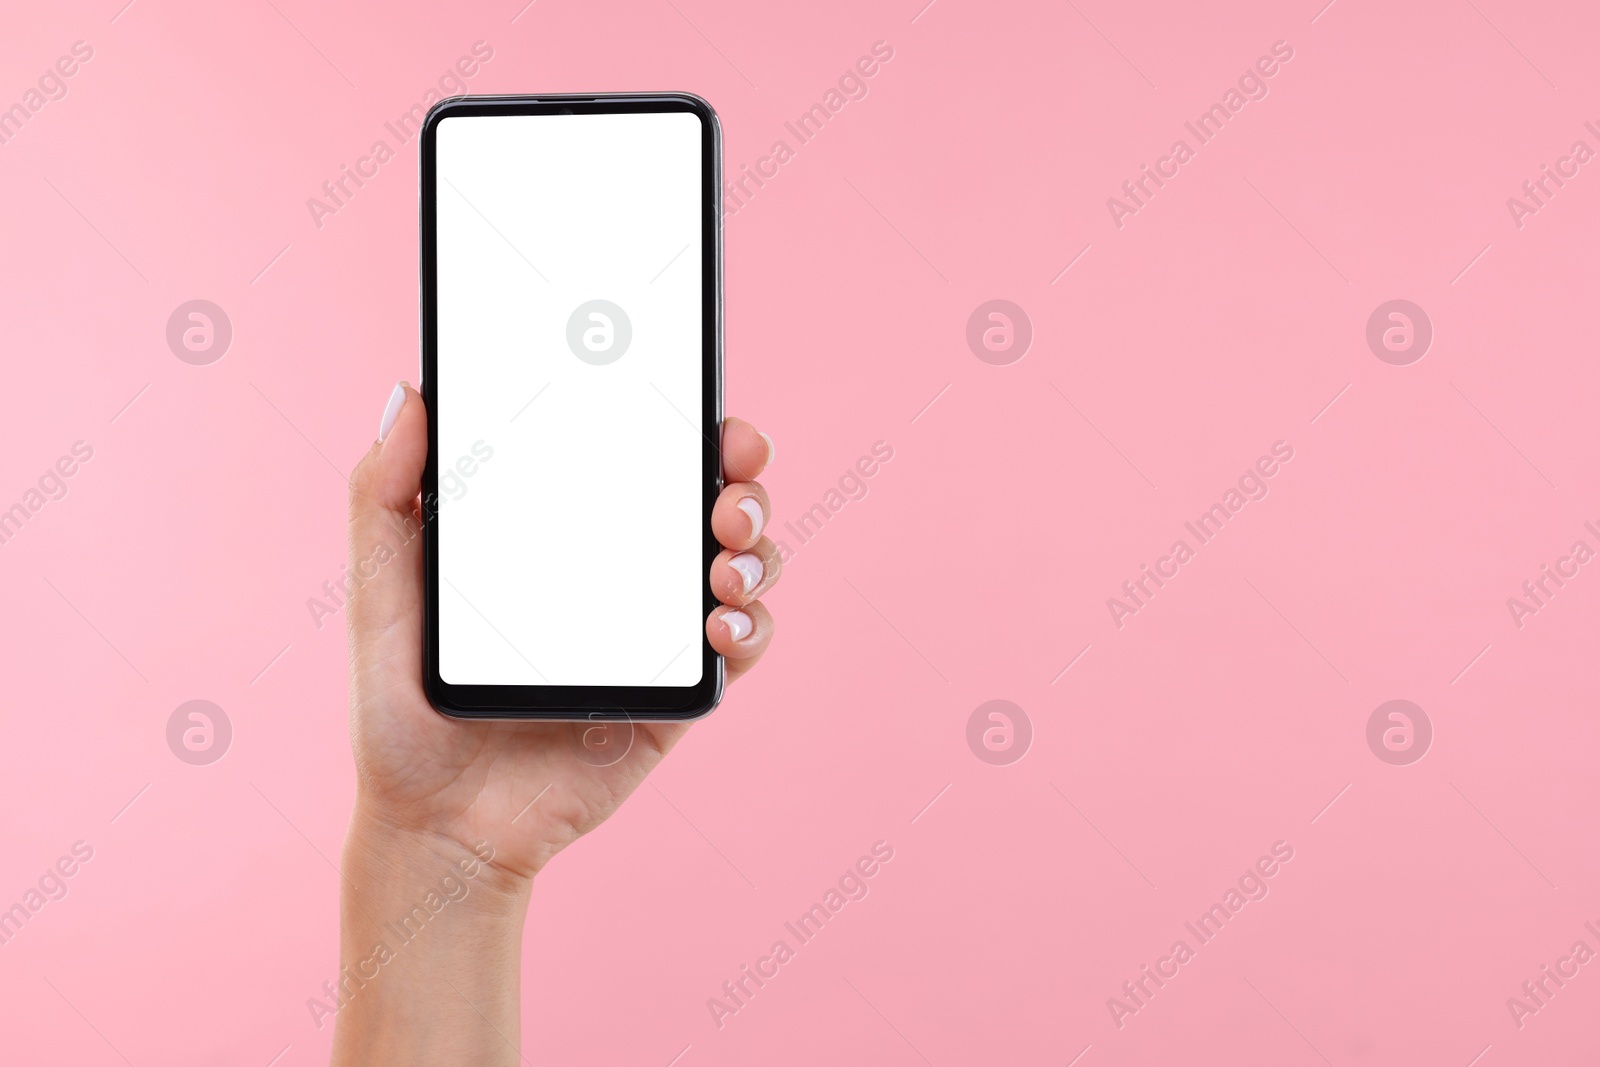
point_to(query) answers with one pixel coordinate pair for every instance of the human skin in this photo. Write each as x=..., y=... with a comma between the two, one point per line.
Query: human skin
x=470, y=812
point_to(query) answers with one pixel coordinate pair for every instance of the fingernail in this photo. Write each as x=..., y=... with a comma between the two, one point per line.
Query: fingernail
x=391, y=411
x=772, y=449
x=748, y=564
x=752, y=507
x=739, y=624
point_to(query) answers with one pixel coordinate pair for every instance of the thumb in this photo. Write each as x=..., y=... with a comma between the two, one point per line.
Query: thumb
x=385, y=576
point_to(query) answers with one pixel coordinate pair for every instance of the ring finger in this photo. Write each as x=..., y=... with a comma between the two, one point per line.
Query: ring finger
x=737, y=578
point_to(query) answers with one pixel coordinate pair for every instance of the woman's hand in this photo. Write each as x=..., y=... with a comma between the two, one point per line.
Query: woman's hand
x=419, y=770
x=441, y=797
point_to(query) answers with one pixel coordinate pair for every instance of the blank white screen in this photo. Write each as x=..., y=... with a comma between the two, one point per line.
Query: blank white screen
x=571, y=555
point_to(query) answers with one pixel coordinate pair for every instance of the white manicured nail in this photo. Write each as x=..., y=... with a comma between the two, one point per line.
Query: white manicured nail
x=739, y=624
x=748, y=564
x=772, y=449
x=391, y=412
x=752, y=507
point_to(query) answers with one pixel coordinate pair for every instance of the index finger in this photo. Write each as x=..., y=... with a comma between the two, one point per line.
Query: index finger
x=746, y=451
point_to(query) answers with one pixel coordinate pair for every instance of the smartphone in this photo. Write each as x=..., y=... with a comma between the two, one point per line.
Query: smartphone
x=572, y=367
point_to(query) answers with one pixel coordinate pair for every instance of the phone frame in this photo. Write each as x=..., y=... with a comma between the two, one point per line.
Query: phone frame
x=565, y=702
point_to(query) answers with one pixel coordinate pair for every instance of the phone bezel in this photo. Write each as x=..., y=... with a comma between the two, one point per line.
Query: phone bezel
x=565, y=702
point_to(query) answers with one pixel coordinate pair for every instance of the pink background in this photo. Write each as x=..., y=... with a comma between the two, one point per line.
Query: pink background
x=1224, y=717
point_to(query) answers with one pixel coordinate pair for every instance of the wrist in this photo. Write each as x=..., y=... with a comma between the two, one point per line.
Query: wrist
x=392, y=855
